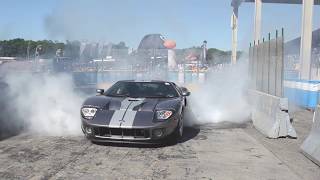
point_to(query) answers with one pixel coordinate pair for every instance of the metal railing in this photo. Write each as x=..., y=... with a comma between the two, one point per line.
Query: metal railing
x=266, y=65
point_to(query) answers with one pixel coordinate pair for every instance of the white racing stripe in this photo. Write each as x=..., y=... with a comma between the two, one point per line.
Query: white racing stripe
x=118, y=115
x=130, y=115
x=128, y=119
x=116, y=118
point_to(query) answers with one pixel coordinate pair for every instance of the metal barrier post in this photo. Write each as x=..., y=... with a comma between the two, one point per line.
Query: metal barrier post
x=282, y=62
x=269, y=55
x=276, y=66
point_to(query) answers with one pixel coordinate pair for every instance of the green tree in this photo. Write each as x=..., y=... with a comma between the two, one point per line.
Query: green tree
x=20, y=48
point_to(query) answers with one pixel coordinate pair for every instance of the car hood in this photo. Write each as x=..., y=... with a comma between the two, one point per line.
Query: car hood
x=128, y=112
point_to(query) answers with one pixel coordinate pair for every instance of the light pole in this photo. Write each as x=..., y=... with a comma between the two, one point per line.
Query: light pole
x=204, y=51
x=203, y=57
x=59, y=53
x=37, y=52
x=28, y=51
x=36, y=56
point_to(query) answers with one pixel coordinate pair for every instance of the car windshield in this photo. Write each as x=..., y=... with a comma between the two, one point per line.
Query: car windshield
x=142, y=90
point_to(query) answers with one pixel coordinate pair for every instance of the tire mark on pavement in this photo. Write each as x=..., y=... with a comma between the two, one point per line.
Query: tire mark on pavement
x=119, y=163
x=264, y=144
x=72, y=160
x=153, y=164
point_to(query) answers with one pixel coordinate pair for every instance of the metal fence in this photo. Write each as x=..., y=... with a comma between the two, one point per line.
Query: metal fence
x=119, y=65
x=293, y=64
x=266, y=61
x=180, y=77
x=143, y=64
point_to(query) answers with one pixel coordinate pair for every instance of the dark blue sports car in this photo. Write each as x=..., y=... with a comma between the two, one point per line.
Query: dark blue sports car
x=135, y=112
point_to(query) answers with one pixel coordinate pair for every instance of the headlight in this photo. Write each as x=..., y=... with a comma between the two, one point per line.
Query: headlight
x=88, y=113
x=163, y=114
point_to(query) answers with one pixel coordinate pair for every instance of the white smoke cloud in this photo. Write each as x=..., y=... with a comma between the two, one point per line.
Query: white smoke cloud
x=47, y=104
x=222, y=97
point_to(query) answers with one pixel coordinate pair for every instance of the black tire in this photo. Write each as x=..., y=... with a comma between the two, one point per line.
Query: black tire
x=178, y=132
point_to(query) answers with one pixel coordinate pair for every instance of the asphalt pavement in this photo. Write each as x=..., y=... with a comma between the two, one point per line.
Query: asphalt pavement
x=211, y=151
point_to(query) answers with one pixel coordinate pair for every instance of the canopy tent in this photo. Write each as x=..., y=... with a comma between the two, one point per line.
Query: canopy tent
x=238, y=2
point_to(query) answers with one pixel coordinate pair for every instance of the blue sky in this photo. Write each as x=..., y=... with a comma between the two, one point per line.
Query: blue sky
x=189, y=22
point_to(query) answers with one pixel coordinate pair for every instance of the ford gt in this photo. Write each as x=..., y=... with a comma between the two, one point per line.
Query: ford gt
x=135, y=112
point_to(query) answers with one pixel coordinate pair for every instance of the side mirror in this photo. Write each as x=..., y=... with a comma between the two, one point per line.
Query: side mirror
x=100, y=91
x=185, y=91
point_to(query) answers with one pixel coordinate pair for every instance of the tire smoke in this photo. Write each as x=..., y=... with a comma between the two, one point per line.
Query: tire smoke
x=222, y=98
x=47, y=104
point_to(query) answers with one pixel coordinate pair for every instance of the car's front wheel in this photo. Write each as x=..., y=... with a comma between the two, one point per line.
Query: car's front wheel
x=178, y=132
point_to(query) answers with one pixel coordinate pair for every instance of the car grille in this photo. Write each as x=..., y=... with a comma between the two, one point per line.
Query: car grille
x=121, y=132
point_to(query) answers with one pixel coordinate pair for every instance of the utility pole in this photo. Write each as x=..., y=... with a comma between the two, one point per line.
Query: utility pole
x=234, y=27
x=306, y=39
x=257, y=20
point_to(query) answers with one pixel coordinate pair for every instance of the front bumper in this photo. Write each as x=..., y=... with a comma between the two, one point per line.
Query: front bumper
x=158, y=133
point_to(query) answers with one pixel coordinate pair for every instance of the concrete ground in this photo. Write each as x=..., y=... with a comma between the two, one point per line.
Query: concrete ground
x=288, y=150
x=219, y=151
